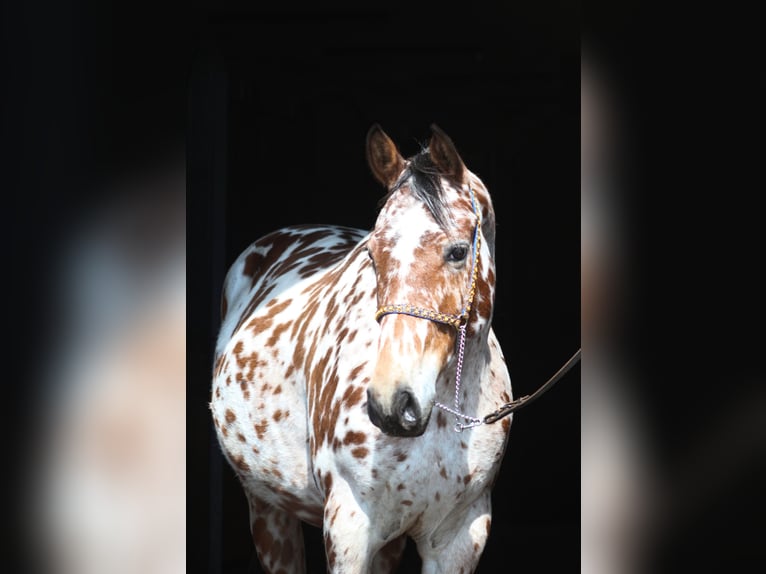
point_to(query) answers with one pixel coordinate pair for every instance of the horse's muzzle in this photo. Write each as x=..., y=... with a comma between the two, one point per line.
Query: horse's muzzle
x=404, y=419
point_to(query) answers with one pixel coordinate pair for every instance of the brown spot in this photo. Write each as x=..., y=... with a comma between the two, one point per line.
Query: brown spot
x=277, y=415
x=352, y=396
x=245, y=390
x=467, y=478
x=443, y=472
x=228, y=380
x=400, y=487
x=239, y=462
x=327, y=483
x=407, y=502
x=238, y=348
x=262, y=538
x=278, y=389
x=401, y=456
x=342, y=334
x=260, y=428
x=261, y=324
x=218, y=392
x=360, y=452
x=506, y=424
x=277, y=332
x=437, y=496
x=224, y=431
x=475, y=546
x=441, y=420
x=354, y=438
x=241, y=437
x=230, y=416
x=358, y=369
x=252, y=263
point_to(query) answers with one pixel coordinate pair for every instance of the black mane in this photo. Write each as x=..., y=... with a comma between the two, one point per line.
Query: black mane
x=424, y=178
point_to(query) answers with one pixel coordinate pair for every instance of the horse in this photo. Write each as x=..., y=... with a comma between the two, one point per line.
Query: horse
x=339, y=354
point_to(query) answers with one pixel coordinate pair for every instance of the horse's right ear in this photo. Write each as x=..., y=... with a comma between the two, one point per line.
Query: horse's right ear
x=384, y=159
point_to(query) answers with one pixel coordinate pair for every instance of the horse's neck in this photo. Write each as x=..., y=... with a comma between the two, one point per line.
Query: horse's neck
x=477, y=349
x=476, y=359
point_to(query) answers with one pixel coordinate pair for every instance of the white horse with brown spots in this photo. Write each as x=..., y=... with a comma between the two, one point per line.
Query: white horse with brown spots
x=336, y=345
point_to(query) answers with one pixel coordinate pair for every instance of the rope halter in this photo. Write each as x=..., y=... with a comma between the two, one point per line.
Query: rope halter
x=459, y=321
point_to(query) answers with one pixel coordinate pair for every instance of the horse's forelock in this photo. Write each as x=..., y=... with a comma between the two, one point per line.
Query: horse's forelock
x=425, y=183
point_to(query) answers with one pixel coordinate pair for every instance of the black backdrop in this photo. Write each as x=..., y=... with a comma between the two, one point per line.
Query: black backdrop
x=279, y=103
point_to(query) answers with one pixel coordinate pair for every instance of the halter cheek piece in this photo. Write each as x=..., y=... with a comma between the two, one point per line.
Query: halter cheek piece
x=459, y=321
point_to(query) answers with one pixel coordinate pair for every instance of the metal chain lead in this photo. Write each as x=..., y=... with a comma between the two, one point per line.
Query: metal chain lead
x=473, y=421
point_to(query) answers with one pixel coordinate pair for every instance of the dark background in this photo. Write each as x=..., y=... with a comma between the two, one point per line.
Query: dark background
x=280, y=102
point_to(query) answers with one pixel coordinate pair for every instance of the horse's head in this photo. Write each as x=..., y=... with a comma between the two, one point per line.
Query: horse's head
x=432, y=250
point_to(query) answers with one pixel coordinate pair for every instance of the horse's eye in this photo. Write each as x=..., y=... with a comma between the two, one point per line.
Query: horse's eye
x=457, y=253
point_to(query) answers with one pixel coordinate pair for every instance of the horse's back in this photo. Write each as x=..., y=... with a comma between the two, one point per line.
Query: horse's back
x=274, y=263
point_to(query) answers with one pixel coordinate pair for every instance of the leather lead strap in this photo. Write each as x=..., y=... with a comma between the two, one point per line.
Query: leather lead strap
x=508, y=408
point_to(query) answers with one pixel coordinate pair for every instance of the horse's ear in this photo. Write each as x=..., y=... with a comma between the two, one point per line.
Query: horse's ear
x=444, y=154
x=385, y=161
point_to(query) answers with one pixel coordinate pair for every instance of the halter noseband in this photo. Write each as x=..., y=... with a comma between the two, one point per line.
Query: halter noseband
x=455, y=320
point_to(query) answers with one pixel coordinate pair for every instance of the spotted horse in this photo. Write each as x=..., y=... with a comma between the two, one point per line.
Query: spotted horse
x=338, y=368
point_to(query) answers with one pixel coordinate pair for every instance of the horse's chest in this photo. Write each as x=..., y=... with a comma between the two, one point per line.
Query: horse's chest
x=411, y=484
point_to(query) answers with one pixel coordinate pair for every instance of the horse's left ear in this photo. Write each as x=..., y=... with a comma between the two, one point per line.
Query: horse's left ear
x=444, y=154
x=384, y=159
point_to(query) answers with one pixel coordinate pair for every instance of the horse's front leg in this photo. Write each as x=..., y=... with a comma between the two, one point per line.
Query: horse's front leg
x=457, y=544
x=350, y=544
x=278, y=538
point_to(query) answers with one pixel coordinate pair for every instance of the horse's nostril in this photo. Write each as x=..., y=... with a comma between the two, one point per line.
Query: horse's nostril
x=406, y=408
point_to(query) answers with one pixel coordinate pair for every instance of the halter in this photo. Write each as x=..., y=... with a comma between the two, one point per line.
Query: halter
x=459, y=321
